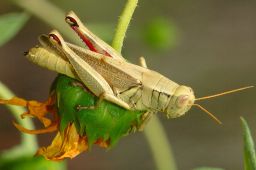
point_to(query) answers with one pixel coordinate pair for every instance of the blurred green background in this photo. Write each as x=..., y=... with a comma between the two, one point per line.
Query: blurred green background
x=210, y=47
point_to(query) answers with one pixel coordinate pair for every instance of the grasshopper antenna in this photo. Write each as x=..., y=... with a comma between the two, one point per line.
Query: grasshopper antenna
x=223, y=93
x=209, y=113
x=217, y=95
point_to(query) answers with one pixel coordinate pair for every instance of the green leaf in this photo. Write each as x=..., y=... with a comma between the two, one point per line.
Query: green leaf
x=10, y=24
x=249, y=150
x=208, y=168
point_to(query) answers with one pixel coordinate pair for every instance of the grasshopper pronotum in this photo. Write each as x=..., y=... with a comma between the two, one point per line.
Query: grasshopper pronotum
x=110, y=77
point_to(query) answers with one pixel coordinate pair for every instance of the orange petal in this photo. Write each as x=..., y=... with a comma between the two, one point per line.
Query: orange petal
x=14, y=101
x=35, y=108
x=49, y=129
x=65, y=145
x=39, y=110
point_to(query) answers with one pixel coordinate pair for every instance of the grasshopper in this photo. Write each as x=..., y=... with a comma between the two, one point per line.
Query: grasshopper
x=110, y=77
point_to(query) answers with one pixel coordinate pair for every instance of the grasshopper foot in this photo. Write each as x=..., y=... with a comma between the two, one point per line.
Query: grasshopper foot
x=100, y=99
x=80, y=107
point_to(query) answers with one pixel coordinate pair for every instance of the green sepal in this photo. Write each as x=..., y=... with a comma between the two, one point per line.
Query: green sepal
x=108, y=122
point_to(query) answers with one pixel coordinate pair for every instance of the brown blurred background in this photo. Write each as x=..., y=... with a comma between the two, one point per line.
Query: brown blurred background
x=214, y=51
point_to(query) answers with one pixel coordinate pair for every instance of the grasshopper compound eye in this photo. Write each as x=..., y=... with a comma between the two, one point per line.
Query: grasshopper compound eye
x=71, y=21
x=183, y=100
x=217, y=95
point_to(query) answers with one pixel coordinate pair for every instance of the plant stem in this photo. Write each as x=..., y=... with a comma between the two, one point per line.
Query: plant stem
x=28, y=142
x=123, y=24
x=155, y=133
x=159, y=145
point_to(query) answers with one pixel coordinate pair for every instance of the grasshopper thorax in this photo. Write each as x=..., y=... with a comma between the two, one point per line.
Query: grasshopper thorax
x=182, y=100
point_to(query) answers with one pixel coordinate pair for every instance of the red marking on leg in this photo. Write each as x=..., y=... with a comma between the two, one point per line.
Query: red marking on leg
x=85, y=40
x=107, y=54
x=88, y=43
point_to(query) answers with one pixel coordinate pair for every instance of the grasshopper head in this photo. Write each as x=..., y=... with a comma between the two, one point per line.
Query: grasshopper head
x=181, y=101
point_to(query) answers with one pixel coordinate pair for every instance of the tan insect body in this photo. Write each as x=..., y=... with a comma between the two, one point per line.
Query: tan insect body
x=44, y=58
x=133, y=84
x=109, y=76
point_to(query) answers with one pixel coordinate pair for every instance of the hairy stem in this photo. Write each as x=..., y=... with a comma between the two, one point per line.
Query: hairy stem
x=123, y=24
x=155, y=133
x=28, y=142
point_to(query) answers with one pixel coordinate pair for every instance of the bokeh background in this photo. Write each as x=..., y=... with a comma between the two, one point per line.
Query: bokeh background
x=209, y=45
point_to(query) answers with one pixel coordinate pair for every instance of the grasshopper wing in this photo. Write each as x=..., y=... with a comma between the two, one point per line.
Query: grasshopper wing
x=120, y=75
x=112, y=70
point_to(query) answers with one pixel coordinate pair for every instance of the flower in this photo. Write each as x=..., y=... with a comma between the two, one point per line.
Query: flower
x=65, y=145
x=77, y=129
